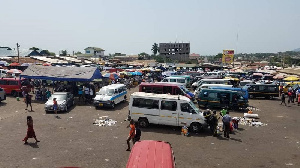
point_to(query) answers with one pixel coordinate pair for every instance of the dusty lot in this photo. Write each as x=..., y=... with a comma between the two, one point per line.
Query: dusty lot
x=74, y=141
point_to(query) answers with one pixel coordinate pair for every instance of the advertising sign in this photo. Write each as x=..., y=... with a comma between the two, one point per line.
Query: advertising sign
x=228, y=56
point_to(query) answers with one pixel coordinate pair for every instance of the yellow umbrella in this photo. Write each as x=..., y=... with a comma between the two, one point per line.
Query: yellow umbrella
x=291, y=78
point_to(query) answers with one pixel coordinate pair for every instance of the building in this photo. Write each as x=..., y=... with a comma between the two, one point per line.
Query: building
x=179, y=52
x=126, y=58
x=91, y=52
x=194, y=56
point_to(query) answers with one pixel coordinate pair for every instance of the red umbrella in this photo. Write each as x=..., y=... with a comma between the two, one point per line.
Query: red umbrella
x=46, y=64
x=14, y=64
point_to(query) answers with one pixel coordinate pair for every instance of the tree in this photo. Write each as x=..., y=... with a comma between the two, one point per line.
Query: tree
x=159, y=59
x=218, y=56
x=34, y=48
x=52, y=54
x=143, y=56
x=63, y=53
x=155, y=48
x=78, y=52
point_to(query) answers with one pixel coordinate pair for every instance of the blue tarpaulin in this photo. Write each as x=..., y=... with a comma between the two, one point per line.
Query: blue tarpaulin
x=72, y=74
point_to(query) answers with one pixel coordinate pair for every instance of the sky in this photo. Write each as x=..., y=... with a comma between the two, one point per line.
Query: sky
x=133, y=26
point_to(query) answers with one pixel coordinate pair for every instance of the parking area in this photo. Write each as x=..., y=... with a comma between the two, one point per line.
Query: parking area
x=73, y=140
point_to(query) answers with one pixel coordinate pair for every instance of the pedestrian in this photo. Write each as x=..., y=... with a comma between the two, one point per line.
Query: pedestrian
x=91, y=95
x=55, y=106
x=48, y=94
x=30, y=130
x=138, y=133
x=299, y=99
x=226, y=122
x=86, y=93
x=80, y=93
x=131, y=134
x=28, y=101
x=290, y=97
x=283, y=99
x=44, y=90
x=213, y=123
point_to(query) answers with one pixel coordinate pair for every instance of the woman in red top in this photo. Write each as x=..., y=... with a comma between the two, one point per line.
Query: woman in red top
x=131, y=133
x=30, y=130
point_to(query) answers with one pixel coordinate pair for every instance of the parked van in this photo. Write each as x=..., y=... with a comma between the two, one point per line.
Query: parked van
x=187, y=77
x=2, y=94
x=165, y=109
x=149, y=153
x=13, y=85
x=205, y=86
x=221, y=98
x=180, y=80
x=268, y=91
x=165, y=88
x=212, y=81
x=110, y=95
x=241, y=91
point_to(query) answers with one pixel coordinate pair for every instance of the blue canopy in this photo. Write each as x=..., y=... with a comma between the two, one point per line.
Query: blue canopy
x=72, y=74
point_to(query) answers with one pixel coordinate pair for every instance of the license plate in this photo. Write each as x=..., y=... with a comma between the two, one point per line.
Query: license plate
x=100, y=104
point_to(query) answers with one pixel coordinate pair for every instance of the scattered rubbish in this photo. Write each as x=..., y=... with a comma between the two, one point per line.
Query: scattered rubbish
x=253, y=108
x=280, y=116
x=16, y=111
x=70, y=117
x=250, y=122
x=90, y=131
x=115, y=137
x=251, y=115
x=257, y=123
x=289, y=164
x=104, y=121
x=34, y=158
x=107, y=160
x=212, y=143
x=89, y=148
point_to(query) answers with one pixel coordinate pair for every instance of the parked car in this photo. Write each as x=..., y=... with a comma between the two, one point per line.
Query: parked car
x=64, y=100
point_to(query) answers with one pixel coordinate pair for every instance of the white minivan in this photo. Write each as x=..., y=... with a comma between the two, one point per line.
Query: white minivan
x=110, y=95
x=165, y=109
x=206, y=86
x=180, y=80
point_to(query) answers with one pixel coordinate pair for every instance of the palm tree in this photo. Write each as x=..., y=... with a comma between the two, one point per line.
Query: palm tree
x=155, y=48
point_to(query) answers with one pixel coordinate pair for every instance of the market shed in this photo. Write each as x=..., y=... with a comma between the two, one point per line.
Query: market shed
x=72, y=74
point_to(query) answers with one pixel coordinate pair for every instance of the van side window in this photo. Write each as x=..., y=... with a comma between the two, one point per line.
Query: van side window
x=3, y=82
x=12, y=82
x=167, y=89
x=272, y=89
x=145, y=103
x=212, y=95
x=147, y=89
x=261, y=87
x=185, y=107
x=173, y=80
x=157, y=90
x=169, y=105
x=180, y=80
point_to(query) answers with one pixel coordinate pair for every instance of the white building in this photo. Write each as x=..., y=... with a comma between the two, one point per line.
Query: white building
x=91, y=52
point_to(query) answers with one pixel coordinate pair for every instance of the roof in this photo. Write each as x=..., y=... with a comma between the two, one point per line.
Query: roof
x=159, y=84
x=113, y=86
x=94, y=48
x=150, y=154
x=77, y=74
x=163, y=96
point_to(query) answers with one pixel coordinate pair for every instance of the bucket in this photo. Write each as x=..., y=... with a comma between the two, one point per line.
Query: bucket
x=18, y=98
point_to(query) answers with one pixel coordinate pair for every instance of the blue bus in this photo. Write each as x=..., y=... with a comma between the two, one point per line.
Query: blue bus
x=241, y=91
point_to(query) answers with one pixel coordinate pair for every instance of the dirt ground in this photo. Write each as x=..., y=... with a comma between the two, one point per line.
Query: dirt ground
x=73, y=140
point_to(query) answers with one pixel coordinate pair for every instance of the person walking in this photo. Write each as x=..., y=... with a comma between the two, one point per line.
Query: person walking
x=131, y=134
x=283, y=99
x=226, y=122
x=290, y=97
x=28, y=101
x=55, y=106
x=80, y=92
x=30, y=130
x=213, y=120
x=138, y=133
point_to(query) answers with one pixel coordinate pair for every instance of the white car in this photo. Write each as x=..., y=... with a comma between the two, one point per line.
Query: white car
x=2, y=94
x=64, y=101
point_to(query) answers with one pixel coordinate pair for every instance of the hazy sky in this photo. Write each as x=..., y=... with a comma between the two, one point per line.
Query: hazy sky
x=132, y=26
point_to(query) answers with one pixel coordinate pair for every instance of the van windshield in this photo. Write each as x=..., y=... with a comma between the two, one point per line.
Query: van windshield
x=194, y=107
x=105, y=91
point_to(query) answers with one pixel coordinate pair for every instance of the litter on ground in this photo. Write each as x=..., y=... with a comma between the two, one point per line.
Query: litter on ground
x=104, y=121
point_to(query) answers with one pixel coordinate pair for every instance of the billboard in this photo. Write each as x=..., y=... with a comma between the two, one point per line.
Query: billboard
x=227, y=57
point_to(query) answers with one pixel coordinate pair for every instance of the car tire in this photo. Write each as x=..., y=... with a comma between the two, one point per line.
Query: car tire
x=14, y=93
x=143, y=122
x=271, y=97
x=113, y=105
x=125, y=98
x=196, y=127
x=251, y=96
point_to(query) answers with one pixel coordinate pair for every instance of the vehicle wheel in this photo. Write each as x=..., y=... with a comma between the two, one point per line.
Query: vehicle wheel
x=125, y=98
x=73, y=103
x=66, y=110
x=196, y=127
x=143, y=122
x=251, y=96
x=113, y=105
x=271, y=97
x=14, y=93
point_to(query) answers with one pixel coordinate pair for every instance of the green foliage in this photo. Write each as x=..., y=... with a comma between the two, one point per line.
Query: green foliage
x=34, y=48
x=78, y=52
x=52, y=53
x=143, y=56
x=63, y=53
x=155, y=48
x=159, y=59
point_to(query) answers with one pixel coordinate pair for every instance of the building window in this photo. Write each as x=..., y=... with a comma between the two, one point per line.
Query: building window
x=87, y=51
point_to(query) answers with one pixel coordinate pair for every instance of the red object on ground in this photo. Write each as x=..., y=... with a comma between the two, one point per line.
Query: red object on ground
x=14, y=64
x=151, y=154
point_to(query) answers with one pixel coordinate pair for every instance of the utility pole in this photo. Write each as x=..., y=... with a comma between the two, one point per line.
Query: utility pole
x=18, y=52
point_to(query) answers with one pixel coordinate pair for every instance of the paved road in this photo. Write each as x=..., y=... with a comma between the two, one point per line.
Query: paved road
x=74, y=141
